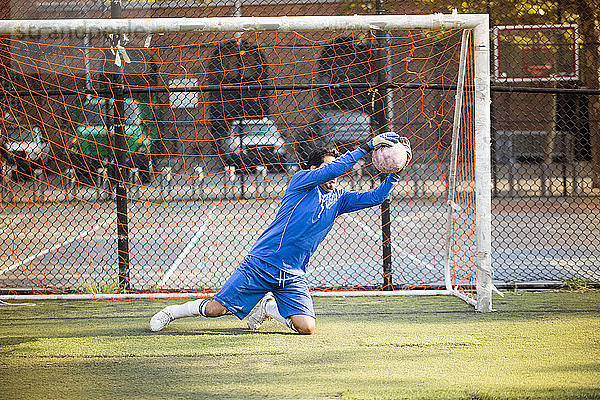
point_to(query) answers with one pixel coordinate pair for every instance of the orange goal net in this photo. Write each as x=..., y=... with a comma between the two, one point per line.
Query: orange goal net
x=151, y=162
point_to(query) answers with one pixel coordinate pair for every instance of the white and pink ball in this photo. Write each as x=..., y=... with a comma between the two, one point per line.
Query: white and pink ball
x=390, y=160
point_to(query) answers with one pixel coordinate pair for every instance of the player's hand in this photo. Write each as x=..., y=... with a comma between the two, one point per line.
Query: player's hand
x=387, y=139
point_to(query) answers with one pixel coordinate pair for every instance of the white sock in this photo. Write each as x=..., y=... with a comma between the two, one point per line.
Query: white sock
x=189, y=309
x=273, y=312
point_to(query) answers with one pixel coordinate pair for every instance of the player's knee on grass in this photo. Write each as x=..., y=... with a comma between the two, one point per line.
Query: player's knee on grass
x=304, y=324
x=214, y=309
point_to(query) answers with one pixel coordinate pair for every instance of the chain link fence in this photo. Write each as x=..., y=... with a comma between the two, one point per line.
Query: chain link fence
x=195, y=203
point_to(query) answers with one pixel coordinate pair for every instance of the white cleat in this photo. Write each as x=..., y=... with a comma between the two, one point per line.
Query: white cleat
x=161, y=320
x=256, y=320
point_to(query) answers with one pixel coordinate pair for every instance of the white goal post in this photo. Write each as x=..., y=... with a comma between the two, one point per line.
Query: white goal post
x=478, y=24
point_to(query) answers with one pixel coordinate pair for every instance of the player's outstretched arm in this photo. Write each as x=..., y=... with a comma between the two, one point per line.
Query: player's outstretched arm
x=354, y=201
x=308, y=179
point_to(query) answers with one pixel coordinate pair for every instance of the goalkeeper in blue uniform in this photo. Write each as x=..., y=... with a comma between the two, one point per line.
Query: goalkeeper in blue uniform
x=273, y=273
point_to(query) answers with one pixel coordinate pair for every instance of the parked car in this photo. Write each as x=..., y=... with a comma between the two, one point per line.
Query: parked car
x=92, y=144
x=345, y=130
x=247, y=143
x=26, y=148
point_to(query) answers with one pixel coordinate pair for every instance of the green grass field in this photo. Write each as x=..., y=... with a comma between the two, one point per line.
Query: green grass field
x=537, y=345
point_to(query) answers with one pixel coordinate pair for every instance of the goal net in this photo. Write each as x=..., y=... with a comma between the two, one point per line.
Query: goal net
x=147, y=155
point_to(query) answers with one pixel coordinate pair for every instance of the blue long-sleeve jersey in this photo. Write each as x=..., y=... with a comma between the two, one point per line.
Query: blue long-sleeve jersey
x=307, y=213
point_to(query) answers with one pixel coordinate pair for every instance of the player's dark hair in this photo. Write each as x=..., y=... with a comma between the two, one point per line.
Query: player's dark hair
x=316, y=157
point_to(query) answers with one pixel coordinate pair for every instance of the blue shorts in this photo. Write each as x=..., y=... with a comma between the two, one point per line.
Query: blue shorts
x=254, y=278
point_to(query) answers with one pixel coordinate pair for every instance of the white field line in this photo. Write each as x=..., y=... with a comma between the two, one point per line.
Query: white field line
x=403, y=253
x=187, y=249
x=57, y=246
x=98, y=296
x=574, y=266
x=3, y=303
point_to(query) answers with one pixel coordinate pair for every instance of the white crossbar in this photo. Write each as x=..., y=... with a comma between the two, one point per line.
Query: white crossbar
x=240, y=24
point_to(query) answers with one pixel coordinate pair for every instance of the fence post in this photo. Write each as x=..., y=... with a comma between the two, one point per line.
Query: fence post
x=8, y=172
x=121, y=148
x=134, y=180
x=199, y=172
x=165, y=181
x=357, y=178
x=100, y=182
x=4, y=181
x=230, y=180
x=543, y=189
x=261, y=171
x=381, y=106
x=71, y=181
x=38, y=195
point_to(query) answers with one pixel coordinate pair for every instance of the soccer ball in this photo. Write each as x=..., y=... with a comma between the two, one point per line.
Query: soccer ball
x=391, y=159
